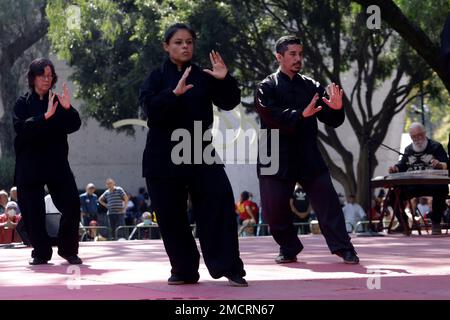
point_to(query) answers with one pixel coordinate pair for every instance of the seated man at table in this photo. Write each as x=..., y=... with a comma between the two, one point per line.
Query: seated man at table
x=424, y=153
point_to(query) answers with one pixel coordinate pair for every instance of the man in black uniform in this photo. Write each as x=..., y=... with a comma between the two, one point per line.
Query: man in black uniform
x=42, y=121
x=292, y=103
x=422, y=154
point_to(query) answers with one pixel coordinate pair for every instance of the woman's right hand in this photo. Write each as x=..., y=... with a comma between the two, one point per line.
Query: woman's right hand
x=181, y=86
x=51, y=108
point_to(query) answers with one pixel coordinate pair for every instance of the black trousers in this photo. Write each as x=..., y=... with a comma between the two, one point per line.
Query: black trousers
x=439, y=194
x=64, y=193
x=213, y=209
x=275, y=194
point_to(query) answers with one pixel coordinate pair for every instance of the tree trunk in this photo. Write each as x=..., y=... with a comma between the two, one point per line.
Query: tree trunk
x=364, y=175
x=8, y=94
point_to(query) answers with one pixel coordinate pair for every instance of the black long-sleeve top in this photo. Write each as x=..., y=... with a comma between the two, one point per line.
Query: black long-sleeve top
x=412, y=160
x=280, y=102
x=167, y=112
x=41, y=145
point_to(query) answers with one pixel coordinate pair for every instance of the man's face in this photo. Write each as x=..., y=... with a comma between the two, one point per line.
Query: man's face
x=419, y=138
x=291, y=61
x=110, y=184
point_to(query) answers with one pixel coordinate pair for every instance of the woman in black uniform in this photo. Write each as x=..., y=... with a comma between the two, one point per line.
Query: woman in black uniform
x=179, y=95
x=42, y=121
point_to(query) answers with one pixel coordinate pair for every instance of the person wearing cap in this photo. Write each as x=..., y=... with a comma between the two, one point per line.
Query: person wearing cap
x=8, y=223
x=89, y=205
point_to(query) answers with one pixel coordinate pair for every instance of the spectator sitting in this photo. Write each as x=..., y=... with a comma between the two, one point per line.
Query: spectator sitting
x=147, y=220
x=8, y=223
x=375, y=215
x=248, y=214
x=3, y=200
x=89, y=205
x=13, y=194
x=352, y=213
x=93, y=232
x=423, y=206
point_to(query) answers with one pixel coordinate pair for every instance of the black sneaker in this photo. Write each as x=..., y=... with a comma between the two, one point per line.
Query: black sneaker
x=36, y=261
x=237, y=281
x=73, y=259
x=349, y=256
x=285, y=259
x=177, y=280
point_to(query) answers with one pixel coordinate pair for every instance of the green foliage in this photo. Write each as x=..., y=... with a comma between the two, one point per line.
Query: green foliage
x=111, y=52
x=428, y=15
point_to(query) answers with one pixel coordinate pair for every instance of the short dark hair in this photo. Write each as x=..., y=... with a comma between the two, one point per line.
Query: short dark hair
x=37, y=68
x=171, y=30
x=245, y=195
x=282, y=43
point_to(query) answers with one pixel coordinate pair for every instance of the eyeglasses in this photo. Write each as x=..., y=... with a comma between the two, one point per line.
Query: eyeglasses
x=44, y=77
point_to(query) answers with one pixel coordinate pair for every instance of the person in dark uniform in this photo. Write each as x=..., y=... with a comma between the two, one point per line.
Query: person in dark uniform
x=292, y=103
x=178, y=97
x=42, y=120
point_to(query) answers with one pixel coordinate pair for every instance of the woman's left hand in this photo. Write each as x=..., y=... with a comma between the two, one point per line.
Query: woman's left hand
x=64, y=100
x=219, y=69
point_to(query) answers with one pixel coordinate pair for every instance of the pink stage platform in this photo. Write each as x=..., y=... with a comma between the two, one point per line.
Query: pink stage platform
x=392, y=267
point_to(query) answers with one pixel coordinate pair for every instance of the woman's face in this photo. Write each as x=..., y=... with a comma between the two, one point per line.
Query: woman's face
x=43, y=83
x=180, y=47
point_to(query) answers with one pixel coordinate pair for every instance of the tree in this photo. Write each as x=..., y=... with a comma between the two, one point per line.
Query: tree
x=433, y=16
x=22, y=29
x=117, y=43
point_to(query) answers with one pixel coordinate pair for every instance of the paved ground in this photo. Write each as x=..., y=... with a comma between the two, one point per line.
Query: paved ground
x=392, y=267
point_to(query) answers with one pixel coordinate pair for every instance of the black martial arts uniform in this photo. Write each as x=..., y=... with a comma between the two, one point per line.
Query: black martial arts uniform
x=41, y=159
x=280, y=102
x=168, y=183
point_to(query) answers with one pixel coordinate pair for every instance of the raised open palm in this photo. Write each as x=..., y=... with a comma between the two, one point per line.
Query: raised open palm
x=335, y=93
x=219, y=69
x=64, y=99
